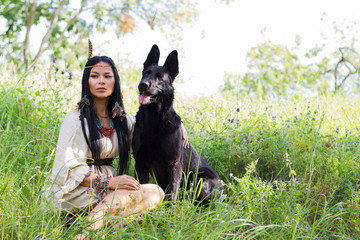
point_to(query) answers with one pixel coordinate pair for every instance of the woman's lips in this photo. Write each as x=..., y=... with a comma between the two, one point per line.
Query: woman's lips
x=101, y=89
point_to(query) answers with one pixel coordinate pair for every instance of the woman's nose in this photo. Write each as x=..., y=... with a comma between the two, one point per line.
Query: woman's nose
x=101, y=80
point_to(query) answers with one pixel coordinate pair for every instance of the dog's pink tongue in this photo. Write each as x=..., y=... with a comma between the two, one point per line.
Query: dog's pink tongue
x=144, y=99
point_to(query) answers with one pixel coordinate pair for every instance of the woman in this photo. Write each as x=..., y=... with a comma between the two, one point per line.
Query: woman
x=90, y=138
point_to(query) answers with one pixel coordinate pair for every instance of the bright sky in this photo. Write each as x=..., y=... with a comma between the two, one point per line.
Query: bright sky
x=222, y=35
x=217, y=42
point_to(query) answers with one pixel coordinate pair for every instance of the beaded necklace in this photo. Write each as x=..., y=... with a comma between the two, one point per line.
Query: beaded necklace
x=107, y=132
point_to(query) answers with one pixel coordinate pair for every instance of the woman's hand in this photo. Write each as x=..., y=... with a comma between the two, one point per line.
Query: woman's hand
x=124, y=182
x=184, y=136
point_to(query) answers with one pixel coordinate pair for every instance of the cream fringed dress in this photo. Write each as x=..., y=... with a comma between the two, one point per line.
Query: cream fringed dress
x=70, y=167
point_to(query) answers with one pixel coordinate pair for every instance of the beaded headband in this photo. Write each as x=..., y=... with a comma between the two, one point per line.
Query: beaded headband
x=97, y=66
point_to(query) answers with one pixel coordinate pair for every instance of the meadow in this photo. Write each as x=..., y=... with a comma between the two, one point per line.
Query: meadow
x=290, y=167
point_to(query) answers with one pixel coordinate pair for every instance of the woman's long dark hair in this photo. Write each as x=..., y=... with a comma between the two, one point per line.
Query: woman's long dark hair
x=88, y=111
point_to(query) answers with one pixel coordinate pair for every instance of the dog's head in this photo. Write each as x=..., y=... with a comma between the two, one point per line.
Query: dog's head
x=156, y=81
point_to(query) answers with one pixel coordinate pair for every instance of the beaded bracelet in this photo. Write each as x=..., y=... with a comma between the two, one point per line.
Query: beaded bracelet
x=97, y=186
x=105, y=186
x=106, y=182
x=100, y=191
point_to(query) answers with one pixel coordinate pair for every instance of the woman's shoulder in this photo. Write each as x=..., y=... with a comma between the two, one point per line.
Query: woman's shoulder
x=72, y=117
x=73, y=114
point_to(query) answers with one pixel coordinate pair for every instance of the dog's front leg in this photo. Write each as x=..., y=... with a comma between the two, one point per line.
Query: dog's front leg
x=175, y=180
x=142, y=173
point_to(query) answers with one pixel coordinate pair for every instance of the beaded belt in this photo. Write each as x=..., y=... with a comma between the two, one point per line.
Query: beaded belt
x=100, y=162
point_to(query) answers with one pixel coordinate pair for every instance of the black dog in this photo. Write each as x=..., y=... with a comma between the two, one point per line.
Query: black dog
x=157, y=140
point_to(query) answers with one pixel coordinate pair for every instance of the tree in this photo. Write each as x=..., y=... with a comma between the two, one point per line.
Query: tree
x=331, y=66
x=347, y=67
x=275, y=70
x=72, y=21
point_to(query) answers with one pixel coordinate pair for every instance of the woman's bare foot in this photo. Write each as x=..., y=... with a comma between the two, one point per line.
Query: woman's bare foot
x=82, y=236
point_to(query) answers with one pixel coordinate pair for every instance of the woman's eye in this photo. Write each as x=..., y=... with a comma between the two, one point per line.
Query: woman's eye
x=93, y=76
x=108, y=76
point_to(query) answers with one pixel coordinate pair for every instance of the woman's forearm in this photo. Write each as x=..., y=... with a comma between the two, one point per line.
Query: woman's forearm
x=89, y=179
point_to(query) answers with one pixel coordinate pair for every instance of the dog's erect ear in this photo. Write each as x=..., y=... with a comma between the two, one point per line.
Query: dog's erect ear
x=172, y=64
x=153, y=56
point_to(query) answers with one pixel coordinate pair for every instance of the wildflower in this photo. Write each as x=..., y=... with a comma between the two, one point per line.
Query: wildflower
x=89, y=191
x=238, y=109
x=70, y=75
x=55, y=59
x=35, y=141
x=56, y=69
x=29, y=129
x=286, y=155
x=56, y=80
x=67, y=65
x=62, y=72
x=18, y=210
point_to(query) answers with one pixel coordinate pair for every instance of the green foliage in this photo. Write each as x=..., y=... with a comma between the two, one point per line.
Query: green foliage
x=67, y=24
x=290, y=167
x=28, y=139
x=348, y=67
x=275, y=71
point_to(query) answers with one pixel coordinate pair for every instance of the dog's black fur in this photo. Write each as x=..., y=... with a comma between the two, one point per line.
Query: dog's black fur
x=157, y=140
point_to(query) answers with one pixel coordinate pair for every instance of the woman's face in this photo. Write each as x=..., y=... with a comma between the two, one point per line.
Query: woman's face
x=101, y=80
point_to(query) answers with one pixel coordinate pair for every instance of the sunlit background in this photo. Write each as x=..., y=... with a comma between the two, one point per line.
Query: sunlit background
x=218, y=40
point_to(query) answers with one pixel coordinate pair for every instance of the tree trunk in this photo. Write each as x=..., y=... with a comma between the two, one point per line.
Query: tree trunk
x=29, y=22
x=44, y=43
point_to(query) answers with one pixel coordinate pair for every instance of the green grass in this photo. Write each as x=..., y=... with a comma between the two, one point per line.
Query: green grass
x=309, y=149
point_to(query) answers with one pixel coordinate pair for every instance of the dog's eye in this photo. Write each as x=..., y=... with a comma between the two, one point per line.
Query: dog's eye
x=159, y=77
x=146, y=73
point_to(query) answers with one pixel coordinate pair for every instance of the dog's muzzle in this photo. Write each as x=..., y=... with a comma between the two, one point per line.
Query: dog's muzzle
x=143, y=86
